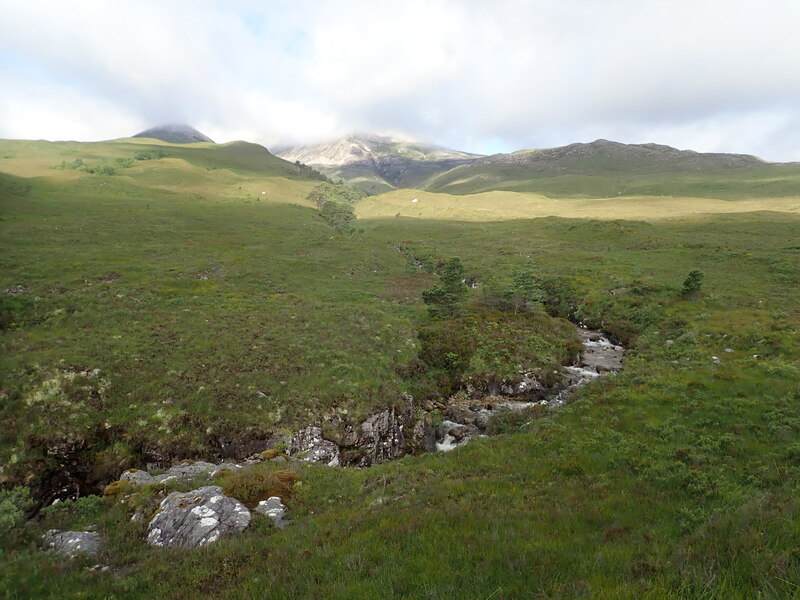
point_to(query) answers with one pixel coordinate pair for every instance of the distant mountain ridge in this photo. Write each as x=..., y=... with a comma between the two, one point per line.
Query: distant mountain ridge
x=596, y=169
x=606, y=156
x=377, y=163
x=175, y=134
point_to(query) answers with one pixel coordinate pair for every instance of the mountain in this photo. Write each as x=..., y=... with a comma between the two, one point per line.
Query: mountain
x=599, y=168
x=175, y=134
x=377, y=163
x=604, y=156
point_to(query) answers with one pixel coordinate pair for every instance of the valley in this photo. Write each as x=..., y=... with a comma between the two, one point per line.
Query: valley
x=164, y=302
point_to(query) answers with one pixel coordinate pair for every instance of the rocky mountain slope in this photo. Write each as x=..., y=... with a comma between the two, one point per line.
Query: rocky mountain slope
x=175, y=134
x=377, y=163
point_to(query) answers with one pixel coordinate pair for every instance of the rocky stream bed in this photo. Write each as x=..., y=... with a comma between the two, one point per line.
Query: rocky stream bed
x=200, y=516
x=599, y=357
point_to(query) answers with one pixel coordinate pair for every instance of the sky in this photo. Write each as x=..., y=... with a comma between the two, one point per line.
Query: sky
x=474, y=75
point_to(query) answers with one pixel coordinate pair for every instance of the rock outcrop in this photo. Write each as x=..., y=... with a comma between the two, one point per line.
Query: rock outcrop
x=72, y=543
x=274, y=509
x=184, y=471
x=378, y=439
x=309, y=445
x=196, y=518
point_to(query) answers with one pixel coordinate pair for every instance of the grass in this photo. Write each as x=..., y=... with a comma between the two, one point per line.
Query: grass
x=512, y=205
x=676, y=478
x=584, y=180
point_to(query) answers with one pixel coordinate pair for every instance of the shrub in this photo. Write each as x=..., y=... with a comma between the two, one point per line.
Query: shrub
x=692, y=283
x=123, y=163
x=337, y=192
x=150, y=155
x=81, y=511
x=445, y=298
x=339, y=215
x=13, y=504
x=72, y=165
x=257, y=483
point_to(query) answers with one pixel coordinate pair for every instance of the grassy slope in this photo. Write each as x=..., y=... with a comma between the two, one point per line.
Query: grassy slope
x=504, y=205
x=674, y=479
x=214, y=293
x=769, y=181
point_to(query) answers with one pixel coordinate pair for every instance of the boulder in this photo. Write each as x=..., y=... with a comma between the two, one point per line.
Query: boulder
x=187, y=470
x=482, y=420
x=226, y=466
x=274, y=509
x=309, y=445
x=424, y=435
x=196, y=518
x=460, y=433
x=137, y=477
x=72, y=543
x=460, y=414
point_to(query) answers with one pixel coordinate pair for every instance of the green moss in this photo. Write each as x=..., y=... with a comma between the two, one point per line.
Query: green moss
x=254, y=484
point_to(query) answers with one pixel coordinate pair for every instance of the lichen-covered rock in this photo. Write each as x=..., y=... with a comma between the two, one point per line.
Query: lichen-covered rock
x=274, y=509
x=380, y=438
x=72, y=543
x=196, y=518
x=187, y=470
x=137, y=477
x=309, y=445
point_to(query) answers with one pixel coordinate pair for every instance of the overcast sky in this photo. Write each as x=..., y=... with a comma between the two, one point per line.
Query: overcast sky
x=710, y=75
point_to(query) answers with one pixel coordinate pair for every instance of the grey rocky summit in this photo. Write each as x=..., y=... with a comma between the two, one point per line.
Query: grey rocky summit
x=72, y=543
x=197, y=518
x=362, y=157
x=175, y=134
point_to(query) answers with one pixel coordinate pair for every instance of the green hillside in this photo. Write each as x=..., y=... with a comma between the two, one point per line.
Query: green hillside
x=604, y=169
x=164, y=300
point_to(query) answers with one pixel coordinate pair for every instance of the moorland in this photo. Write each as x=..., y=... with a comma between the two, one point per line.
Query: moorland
x=163, y=302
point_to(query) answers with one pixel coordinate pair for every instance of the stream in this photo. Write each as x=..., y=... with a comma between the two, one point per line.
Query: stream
x=598, y=358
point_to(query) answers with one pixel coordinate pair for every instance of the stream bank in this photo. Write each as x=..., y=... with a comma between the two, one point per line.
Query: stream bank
x=599, y=357
x=407, y=427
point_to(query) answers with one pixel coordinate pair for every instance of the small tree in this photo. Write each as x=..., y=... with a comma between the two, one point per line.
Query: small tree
x=522, y=291
x=692, y=283
x=444, y=298
x=340, y=215
x=525, y=290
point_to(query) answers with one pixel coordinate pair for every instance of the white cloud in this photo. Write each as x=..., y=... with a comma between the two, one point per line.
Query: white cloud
x=474, y=75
